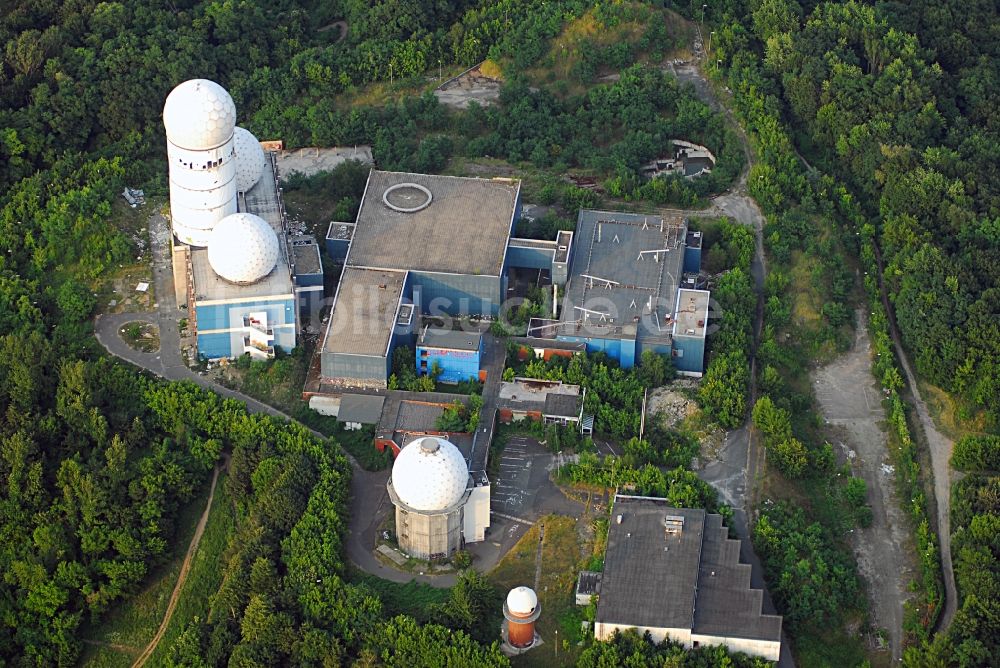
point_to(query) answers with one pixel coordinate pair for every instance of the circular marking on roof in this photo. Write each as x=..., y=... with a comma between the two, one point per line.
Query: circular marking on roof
x=407, y=197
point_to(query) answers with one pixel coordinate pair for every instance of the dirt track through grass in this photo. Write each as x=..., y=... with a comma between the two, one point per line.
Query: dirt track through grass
x=182, y=577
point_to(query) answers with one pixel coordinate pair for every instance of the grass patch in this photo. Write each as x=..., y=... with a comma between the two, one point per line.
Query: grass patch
x=133, y=622
x=832, y=649
x=278, y=382
x=361, y=446
x=205, y=575
x=142, y=336
x=806, y=303
x=952, y=416
x=572, y=58
x=119, y=281
x=412, y=598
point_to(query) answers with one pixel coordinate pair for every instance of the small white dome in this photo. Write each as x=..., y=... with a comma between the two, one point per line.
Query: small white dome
x=243, y=248
x=430, y=474
x=249, y=159
x=199, y=114
x=522, y=601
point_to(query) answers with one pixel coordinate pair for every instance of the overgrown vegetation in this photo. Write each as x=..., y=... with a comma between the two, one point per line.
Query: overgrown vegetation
x=614, y=395
x=818, y=581
x=724, y=390
x=972, y=639
x=630, y=649
x=683, y=488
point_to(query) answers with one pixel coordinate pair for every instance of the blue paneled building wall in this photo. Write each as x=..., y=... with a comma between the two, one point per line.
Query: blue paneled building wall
x=622, y=350
x=456, y=365
x=221, y=330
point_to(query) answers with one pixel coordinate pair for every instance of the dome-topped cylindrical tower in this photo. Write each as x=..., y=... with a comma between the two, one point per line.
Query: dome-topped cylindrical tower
x=199, y=117
x=430, y=474
x=428, y=487
x=243, y=248
x=521, y=610
x=249, y=159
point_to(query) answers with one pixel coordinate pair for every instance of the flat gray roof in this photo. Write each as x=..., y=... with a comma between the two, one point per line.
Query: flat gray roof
x=531, y=394
x=409, y=415
x=650, y=578
x=261, y=200
x=688, y=581
x=363, y=408
x=305, y=254
x=450, y=339
x=691, y=318
x=562, y=405
x=416, y=411
x=727, y=606
x=364, y=312
x=624, y=275
x=340, y=231
x=527, y=388
x=564, y=243
x=464, y=229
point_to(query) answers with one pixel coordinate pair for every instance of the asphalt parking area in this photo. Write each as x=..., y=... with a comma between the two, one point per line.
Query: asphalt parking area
x=523, y=470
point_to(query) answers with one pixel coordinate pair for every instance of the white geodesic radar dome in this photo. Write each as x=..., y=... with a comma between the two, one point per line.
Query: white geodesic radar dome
x=522, y=601
x=430, y=474
x=249, y=159
x=243, y=248
x=198, y=115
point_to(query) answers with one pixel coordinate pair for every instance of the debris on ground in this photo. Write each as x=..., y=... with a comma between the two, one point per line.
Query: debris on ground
x=672, y=403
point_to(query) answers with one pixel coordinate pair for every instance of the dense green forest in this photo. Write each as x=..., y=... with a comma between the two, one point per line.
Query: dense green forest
x=898, y=102
x=889, y=103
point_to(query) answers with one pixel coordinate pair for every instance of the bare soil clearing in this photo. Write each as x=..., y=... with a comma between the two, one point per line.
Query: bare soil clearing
x=850, y=401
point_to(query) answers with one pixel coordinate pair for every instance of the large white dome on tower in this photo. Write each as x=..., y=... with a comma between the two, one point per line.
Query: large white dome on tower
x=199, y=114
x=430, y=474
x=249, y=159
x=243, y=248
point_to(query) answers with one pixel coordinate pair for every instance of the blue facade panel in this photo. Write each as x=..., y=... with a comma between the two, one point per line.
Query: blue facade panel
x=337, y=249
x=310, y=304
x=456, y=365
x=658, y=348
x=530, y=258
x=212, y=346
x=230, y=317
x=692, y=260
x=621, y=350
x=457, y=294
x=307, y=280
x=689, y=354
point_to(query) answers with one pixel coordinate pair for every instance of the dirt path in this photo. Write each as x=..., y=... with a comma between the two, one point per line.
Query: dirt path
x=538, y=556
x=341, y=27
x=850, y=401
x=940, y=449
x=182, y=577
x=743, y=450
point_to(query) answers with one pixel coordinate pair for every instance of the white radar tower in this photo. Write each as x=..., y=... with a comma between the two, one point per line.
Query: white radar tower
x=199, y=117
